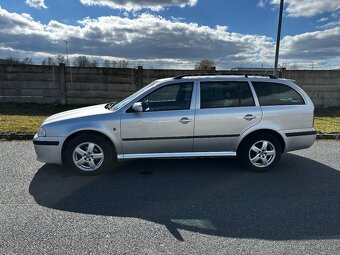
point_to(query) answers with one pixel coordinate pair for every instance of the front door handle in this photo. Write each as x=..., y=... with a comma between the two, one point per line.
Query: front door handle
x=185, y=120
x=249, y=117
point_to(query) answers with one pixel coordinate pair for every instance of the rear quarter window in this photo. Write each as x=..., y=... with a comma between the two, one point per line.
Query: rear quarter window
x=270, y=93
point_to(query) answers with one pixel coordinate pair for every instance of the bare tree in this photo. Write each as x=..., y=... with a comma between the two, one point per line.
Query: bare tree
x=12, y=61
x=27, y=61
x=283, y=65
x=107, y=63
x=15, y=61
x=205, y=65
x=60, y=59
x=295, y=67
x=122, y=64
x=83, y=61
x=48, y=61
x=94, y=63
x=116, y=64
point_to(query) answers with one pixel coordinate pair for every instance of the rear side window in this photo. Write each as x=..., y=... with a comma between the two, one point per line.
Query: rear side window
x=225, y=94
x=270, y=93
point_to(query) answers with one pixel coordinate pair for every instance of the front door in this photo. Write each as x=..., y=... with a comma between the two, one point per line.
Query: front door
x=166, y=124
x=225, y=109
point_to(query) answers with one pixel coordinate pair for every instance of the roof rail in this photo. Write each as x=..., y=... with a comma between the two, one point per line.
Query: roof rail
x=189, y=75
x=214, y=74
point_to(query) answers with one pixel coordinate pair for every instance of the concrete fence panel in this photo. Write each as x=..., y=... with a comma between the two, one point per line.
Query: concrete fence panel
x=75, y=85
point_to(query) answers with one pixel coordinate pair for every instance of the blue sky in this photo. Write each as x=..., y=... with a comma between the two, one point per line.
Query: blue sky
x=242, y=16
x=310, y=34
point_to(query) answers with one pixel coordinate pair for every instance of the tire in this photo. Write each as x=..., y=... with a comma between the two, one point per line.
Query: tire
x=260, y=153
x=89, y=154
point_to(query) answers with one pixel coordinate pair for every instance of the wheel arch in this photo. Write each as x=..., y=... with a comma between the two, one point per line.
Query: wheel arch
x=81, y=132
x=272, y=132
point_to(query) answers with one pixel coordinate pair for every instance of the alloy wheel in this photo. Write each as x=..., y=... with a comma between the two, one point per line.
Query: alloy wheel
x=262, y=153
x=88, y=156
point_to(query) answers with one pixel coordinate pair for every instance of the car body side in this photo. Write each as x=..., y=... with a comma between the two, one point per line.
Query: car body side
x=293, y=124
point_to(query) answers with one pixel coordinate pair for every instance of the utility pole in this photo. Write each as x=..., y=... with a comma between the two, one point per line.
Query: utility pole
x=278, y=39
x=66, y=45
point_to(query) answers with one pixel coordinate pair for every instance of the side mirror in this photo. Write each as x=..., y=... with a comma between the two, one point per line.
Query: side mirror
x=137, y=107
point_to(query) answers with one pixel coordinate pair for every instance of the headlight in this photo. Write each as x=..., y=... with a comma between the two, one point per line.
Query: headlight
x=41, y=132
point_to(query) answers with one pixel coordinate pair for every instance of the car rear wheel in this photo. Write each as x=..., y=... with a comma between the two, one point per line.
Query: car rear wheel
x=89, y=155
x=260, y=153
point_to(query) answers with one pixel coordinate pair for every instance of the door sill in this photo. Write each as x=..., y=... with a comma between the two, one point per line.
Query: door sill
x=178, y=155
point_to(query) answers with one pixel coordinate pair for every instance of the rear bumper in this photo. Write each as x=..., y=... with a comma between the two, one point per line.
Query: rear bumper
x=48, y=149
x=298, y=139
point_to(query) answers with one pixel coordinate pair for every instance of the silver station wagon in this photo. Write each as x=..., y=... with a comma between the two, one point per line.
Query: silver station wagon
x=252, y=117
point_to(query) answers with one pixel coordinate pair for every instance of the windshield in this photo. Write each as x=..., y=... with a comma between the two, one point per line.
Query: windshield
x=134, y=95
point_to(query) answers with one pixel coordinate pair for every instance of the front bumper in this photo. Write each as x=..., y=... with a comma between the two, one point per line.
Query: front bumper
x=48, y=149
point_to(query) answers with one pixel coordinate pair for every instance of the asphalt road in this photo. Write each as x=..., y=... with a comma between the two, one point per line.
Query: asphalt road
x=192, y=206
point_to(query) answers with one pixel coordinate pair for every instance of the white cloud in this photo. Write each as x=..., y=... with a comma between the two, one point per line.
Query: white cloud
x=36, y=3
x=144, y=37
x=312, y=46
x=135, y=5
x=322, y=19
x=261, y=3
x=335, y=23
x=158, y=42
x=304, y=8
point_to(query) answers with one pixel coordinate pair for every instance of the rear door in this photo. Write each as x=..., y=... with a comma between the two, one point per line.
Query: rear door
x=225, y=109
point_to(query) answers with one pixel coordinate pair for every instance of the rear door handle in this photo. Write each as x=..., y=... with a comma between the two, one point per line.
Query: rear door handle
x=185, y=120
x=249, y=117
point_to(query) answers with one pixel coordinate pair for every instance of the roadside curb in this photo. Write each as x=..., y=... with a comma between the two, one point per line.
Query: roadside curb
x=328, y=136
x=16, y=136
x=29, y=136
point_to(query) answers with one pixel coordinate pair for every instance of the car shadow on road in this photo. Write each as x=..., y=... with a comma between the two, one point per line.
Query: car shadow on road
x=298, y=200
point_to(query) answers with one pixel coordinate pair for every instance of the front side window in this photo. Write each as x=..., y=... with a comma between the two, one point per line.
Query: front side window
x=270, y=93
x=171, y=97
x=134, y=95
x=222, y=94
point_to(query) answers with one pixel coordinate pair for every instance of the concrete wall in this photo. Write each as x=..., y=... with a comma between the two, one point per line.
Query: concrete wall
x=98, y=85
x=322, y=86
x=72, y=85
x=29, y=84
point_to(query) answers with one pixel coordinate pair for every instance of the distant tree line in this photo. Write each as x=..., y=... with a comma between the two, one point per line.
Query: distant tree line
x=116, y=64
x=80, y=61
x=16, y=61
x=83, y=61
x=59, y=59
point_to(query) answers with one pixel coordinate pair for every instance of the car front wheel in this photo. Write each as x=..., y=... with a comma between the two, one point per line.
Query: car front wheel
x=89, y=155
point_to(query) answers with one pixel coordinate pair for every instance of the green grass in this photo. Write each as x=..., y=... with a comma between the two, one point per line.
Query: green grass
x=18, y=118
x=327, y=120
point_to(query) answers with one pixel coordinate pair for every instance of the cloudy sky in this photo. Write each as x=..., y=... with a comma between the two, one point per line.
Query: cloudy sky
x=174, y=33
